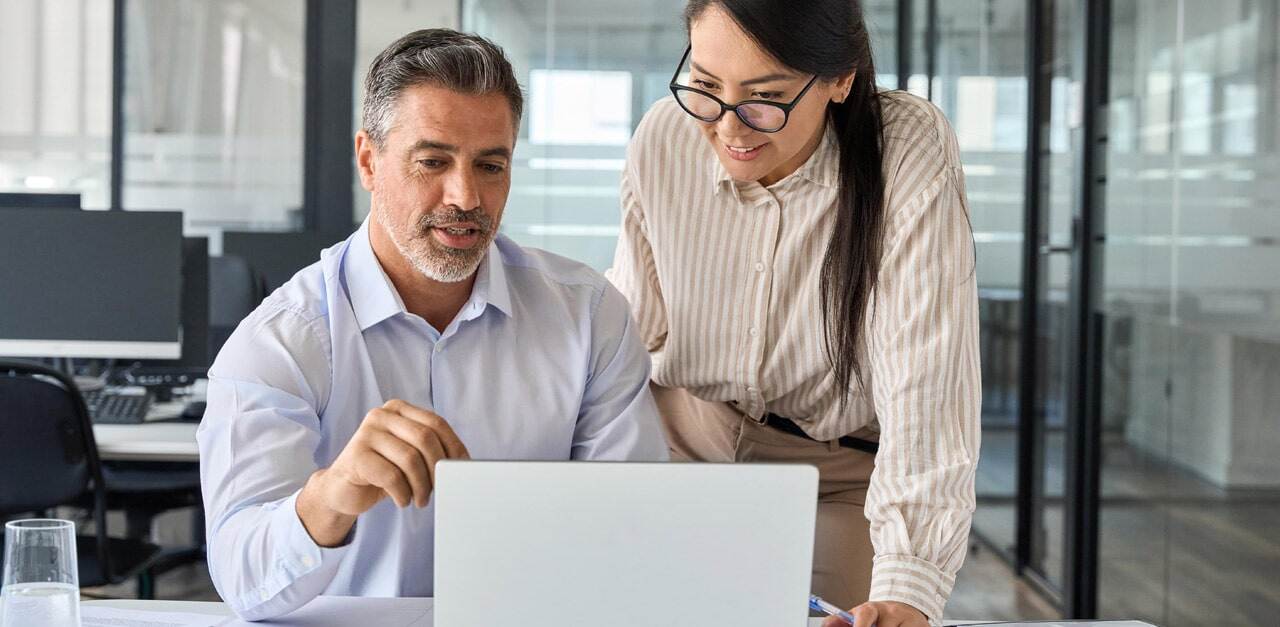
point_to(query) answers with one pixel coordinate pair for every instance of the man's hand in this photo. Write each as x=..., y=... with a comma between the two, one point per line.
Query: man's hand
x=882, y=614
x=393, y=453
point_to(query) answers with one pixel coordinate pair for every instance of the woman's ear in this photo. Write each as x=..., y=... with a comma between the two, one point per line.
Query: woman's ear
x=840, y=89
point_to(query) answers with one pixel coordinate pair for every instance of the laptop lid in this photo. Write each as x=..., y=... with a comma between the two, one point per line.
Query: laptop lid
x=552, y=544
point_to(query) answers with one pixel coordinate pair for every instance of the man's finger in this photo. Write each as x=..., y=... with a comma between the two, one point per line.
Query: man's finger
x=453, y=446
x=381, y=473
x=408, y=459
x=426, y=440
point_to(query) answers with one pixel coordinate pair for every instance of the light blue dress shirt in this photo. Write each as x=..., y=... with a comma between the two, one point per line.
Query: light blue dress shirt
x=542, y=363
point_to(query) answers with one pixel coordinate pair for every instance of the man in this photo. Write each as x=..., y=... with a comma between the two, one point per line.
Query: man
x=424, y=336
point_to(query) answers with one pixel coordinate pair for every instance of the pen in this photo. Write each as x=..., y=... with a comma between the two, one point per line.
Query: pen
x=817, y=603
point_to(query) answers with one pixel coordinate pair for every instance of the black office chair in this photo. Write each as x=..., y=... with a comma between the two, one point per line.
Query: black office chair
x=235, y=290
x=48, y=458
x=143, y=491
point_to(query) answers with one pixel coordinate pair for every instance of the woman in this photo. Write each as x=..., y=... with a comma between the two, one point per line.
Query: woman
x=797, y=252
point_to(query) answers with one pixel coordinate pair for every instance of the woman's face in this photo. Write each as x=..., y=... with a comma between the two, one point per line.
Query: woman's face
x=728, y=64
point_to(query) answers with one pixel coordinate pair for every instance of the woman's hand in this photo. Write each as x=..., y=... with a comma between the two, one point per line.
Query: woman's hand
x=882, y=614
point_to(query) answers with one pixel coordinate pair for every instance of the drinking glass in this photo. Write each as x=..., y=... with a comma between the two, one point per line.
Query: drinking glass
x=41, y=584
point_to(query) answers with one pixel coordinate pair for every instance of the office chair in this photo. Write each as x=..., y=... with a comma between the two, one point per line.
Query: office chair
x=48, y=458
x=143, y=491
x=235, y=290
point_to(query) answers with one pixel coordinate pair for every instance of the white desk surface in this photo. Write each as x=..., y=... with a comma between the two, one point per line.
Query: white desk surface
x=219, y=609
x=154, y=442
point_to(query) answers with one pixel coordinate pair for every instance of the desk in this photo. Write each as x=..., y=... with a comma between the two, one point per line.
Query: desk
x=220, y=609
x=152, y=442
x=155, y=440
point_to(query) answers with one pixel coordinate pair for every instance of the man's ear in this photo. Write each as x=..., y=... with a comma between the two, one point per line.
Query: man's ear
x=365, y=151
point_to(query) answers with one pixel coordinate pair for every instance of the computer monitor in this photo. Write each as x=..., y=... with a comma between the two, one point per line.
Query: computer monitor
x=90, y=284
x=277, y=255
x=194, y=361
x=195, y=304
x=39, y=200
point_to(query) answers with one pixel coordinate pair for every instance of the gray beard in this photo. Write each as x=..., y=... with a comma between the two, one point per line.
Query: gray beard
x=434, y=260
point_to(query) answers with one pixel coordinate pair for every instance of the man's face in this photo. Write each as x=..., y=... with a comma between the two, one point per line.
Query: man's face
x=440, y=179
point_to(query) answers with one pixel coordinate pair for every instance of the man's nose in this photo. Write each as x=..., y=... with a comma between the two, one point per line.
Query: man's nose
x=461, y=190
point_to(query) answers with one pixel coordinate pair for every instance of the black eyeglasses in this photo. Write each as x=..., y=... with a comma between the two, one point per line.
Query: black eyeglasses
x=763, y=115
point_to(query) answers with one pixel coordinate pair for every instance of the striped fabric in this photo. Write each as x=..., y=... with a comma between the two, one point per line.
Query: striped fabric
x=723, y=280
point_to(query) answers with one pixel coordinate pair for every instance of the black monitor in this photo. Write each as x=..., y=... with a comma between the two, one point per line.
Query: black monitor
x=90, y=283
x=195, y=304
x=194, y=362
x=39, y=200
x=276, y=255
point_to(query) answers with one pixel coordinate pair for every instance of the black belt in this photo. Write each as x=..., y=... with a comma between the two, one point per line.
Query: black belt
x=786, y=425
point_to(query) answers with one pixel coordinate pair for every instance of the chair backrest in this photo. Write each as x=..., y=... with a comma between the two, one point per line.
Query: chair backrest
x=277, y=256
x=235, y=290
x=47, y=452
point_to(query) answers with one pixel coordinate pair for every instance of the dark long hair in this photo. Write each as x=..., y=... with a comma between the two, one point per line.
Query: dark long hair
x=829, y=38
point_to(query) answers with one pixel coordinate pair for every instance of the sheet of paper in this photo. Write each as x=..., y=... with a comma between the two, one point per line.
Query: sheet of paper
x=346, y=611
x=98, y=616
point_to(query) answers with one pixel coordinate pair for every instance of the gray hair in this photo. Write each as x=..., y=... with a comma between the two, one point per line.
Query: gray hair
x=439, y=56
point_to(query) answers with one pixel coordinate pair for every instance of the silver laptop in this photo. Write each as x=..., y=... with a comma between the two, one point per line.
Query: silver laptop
x=569, y=544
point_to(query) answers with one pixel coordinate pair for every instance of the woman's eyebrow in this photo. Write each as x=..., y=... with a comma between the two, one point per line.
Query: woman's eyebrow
x=767, y=78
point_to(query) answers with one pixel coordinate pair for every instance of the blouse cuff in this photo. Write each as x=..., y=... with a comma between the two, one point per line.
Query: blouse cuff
x=911, y=580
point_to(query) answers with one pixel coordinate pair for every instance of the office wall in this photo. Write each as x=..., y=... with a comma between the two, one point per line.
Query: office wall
x=214, y=111
x=1191, y=295
x=55, y=97
x=1193, y=227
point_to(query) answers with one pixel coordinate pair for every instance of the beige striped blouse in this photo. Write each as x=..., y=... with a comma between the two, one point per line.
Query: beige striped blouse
x=723, y=281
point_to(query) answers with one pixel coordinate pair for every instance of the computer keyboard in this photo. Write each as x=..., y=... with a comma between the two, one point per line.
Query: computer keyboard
x=118, y=407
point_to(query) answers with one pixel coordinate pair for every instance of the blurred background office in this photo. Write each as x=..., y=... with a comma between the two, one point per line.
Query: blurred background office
x=1122, y=159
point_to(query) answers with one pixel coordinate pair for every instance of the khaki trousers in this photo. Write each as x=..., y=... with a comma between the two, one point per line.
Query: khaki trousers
x=699, y=430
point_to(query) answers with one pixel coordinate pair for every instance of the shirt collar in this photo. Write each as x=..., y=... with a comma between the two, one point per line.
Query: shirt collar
x=374, y=297
x=491, y=286
x=822, y=167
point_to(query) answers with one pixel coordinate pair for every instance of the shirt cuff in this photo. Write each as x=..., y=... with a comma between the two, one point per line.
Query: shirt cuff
x=297, y=556
x=911, y=580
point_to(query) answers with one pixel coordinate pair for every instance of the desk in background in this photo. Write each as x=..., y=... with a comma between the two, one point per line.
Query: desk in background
x=158, y=439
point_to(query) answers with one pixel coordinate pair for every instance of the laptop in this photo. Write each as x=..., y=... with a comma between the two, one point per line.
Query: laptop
x=568, y=544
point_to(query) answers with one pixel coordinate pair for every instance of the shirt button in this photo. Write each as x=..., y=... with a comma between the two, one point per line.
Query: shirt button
x=759, y=267
x=438, y=348
x=308, y=561
x=752, y=332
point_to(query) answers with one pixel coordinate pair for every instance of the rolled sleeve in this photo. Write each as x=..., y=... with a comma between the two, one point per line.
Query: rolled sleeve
x=911, y=580
x=292, y=570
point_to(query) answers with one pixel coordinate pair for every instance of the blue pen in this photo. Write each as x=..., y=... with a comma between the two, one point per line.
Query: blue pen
x=817, y=603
